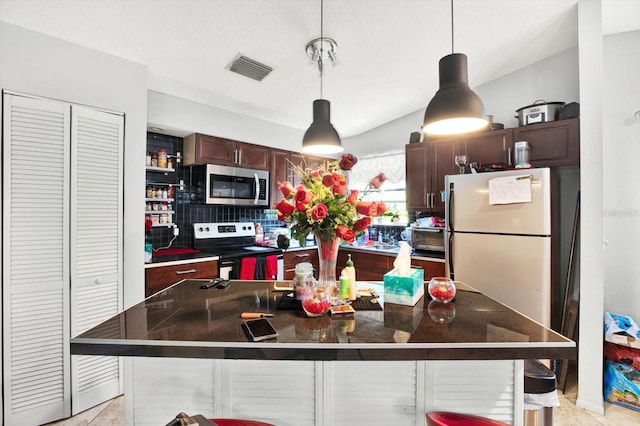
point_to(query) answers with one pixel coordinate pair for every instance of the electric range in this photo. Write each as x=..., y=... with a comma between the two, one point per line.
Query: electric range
x=231, y=242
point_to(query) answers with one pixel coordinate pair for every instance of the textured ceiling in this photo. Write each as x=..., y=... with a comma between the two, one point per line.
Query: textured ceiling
x=388, y=50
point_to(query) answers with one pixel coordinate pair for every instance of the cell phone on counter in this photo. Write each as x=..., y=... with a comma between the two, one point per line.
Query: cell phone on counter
x=260, y=329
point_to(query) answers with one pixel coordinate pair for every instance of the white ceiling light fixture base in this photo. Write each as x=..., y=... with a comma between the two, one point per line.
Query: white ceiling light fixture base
x=322, y=49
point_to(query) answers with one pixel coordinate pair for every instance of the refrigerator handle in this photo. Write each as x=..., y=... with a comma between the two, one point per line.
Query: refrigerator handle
x=450, y=201
x=450, y=262
x=449, y=219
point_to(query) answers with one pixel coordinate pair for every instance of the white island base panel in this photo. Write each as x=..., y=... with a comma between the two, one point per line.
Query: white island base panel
x=321, y=393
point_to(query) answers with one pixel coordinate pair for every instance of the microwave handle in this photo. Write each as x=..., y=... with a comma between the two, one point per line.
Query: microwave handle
x=257, y=182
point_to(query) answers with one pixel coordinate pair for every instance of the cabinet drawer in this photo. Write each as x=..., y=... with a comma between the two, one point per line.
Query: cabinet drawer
x=291, y=259
x=431, y=269
x=159, y=278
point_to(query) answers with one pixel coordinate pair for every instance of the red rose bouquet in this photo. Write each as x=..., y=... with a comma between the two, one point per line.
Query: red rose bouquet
x=322, y=204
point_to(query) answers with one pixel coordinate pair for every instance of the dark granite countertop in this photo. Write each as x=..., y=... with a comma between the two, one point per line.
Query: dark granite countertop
x=171, y=259
x=186, y=321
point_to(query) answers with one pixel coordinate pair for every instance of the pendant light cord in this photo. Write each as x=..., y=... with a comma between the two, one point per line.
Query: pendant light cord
x=452, y=51
x=322, y=44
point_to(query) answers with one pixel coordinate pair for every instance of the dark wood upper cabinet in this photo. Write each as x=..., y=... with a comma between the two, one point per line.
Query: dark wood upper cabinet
x=443, y=164
x=205, y=149
x=556, y=143
x=418, y=175
x=278, y=174
x=553, y=144
x=492, y=147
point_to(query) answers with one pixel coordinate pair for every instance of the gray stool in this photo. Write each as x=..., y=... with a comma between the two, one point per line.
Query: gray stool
x=538, y=379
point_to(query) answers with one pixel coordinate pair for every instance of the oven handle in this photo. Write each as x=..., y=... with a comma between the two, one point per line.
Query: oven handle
x=257, y=182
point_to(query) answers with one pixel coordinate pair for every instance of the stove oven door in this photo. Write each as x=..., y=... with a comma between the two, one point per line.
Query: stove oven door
x=230, y=267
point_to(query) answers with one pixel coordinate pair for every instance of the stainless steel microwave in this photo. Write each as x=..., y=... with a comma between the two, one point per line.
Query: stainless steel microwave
x=234, y=186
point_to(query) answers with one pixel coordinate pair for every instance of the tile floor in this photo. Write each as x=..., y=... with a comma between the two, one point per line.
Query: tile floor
x=111, y=413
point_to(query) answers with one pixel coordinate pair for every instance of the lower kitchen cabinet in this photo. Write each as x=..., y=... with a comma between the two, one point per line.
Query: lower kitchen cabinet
x=158, y=278
x=431, y=269
x=369, y=266
x=295, y=256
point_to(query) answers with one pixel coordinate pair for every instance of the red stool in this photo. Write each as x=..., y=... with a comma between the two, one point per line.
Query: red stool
x=239, y=422
x=444, y=418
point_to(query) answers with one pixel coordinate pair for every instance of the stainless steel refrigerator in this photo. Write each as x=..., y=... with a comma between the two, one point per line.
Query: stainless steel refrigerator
x=498, y=237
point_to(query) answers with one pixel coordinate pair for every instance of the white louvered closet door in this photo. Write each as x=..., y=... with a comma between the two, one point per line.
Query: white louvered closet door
x=96, y=246
x=35, y=261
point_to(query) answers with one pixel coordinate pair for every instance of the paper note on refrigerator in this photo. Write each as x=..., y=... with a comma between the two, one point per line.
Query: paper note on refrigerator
x=510, y=190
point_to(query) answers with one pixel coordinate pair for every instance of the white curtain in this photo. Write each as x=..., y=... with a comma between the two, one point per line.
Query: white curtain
x=391, y=164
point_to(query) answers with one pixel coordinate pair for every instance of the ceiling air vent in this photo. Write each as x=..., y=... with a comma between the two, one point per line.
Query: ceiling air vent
x=249, y=68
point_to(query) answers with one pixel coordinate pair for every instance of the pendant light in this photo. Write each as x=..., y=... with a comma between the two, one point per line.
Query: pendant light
x=455, y=108
x=321, y=137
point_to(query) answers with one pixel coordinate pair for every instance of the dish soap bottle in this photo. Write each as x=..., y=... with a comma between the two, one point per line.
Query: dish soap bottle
x=351, y=273
x=344, y=285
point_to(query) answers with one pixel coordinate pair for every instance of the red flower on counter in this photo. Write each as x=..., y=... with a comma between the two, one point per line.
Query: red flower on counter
x=347, y=161
x=362, y=223
x=319, y=212
x=286, y=188
x=323, y=205
x=346, y=233
x=285, y=207
x=377, y=181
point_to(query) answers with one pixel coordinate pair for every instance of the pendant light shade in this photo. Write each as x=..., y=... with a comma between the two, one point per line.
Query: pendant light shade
x=321, y=137
x=455, y=108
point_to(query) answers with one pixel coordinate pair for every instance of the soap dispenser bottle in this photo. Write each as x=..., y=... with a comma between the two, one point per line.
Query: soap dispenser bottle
x=351, y=273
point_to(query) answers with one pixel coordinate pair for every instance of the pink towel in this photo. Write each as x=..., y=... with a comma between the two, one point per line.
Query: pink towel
x=271, y=268
x=247, y=268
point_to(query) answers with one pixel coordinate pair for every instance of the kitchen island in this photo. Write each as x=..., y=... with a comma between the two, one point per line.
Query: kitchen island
x=186, y=350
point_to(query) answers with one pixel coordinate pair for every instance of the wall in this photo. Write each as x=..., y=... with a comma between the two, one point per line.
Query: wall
x=182, y=117
x=621, y=156
x=40, y=65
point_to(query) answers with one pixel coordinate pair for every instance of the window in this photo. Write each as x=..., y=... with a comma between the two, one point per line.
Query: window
x=392, y=192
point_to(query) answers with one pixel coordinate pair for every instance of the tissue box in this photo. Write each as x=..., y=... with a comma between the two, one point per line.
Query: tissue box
x=404, y=289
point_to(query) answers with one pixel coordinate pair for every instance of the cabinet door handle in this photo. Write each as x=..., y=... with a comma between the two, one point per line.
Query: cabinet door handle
x=302, y=255
x=187, y=271
x=239, y=156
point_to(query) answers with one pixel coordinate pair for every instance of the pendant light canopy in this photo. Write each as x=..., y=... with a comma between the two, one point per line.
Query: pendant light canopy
x=455, y=108
x=321, y=137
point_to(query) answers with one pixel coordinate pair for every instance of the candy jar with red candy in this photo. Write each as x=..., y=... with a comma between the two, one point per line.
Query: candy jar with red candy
x=319, y=302
x=442, y=289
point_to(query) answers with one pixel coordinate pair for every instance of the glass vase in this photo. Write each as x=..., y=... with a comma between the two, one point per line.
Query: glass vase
x=327, y=258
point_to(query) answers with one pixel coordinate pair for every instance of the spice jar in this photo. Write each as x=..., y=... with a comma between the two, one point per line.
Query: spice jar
x=169, y=163
x=148, y=162
x=154, y=160
x=164, y=217
x=150, y=192
x=162, y=158
x=164, y=193
x=170, y=191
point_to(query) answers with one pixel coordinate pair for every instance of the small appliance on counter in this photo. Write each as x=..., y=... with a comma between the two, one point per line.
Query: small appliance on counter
x=427, y=238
